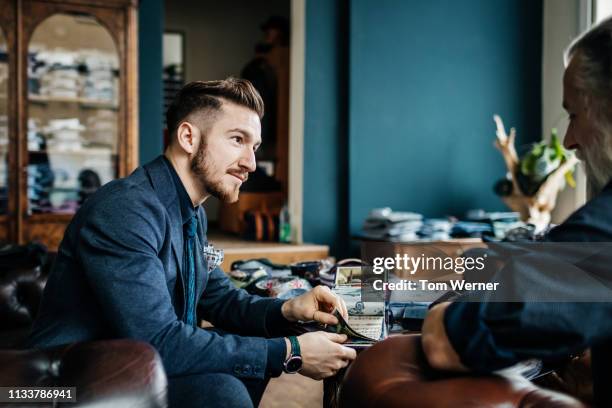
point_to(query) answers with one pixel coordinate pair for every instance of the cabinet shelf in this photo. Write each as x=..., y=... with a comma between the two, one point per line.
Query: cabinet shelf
x=101, y=153
x=84, y=103
x=87, y=151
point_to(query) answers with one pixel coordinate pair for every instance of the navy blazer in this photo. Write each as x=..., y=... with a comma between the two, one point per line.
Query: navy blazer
x=118, y=275
x=488, y=336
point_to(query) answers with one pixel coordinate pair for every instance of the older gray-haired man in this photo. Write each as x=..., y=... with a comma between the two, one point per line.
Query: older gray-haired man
x=479, y=336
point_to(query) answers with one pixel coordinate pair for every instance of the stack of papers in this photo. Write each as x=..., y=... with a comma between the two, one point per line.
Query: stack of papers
x=366, y=319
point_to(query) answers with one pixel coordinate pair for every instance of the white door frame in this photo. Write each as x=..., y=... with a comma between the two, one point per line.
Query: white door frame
x=296, y=117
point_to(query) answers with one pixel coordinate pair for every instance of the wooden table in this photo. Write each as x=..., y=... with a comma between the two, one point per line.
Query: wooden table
x=235, y=249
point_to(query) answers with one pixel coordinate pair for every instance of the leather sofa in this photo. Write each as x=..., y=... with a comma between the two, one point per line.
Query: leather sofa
x=109, y=373
x=23, y=275
x=395, y=373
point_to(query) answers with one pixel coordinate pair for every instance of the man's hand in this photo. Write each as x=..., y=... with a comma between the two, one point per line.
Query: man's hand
x=436, y=345
x=323, y=355
x=315, y=305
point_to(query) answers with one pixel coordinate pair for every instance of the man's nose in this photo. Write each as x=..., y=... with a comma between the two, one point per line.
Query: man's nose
x=569, y=142
x=247, y=161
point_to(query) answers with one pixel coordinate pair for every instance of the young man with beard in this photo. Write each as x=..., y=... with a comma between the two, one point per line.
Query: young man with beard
x=486, y=336
x=134, y=264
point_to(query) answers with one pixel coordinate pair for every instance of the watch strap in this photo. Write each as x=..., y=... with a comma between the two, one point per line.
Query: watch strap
x=295, y=346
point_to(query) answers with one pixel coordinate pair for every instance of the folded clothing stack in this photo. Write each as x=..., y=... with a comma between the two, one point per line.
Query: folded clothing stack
x=100, y=72
x=61, y=82
x=102, y=129
x=40, y=184
x=59, y=73
x=64, y=134
x=399, y=226
x=36, y=138
x=3, y=132
x=383, y=223
x=54, y=73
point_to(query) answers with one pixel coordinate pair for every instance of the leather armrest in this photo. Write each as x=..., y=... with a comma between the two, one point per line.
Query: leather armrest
x=119, y=373
x=395, y=373
x=21, y=288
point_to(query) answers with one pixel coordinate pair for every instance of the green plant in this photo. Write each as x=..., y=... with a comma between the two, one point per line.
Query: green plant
x=544, y=158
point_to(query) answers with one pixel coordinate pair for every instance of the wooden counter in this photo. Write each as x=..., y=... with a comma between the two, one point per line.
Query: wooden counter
x=236, y=249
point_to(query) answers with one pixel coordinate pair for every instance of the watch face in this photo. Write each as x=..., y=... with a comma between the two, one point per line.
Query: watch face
x=294, y=364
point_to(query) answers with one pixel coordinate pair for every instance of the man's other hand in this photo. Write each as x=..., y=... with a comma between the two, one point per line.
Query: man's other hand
x=317, y=304
x=323, y=355
x=436, y=345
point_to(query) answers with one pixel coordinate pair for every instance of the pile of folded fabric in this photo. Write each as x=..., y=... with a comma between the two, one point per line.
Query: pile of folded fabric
x=480, y=223
x=60, y=73
x=40, y=184
x=436, y=229
x=64, y=134
x=36, y=138
x=385, y=224
x=57, y=73
x=399, y=226
x=99, y=75
x=3, y=132
x=101, y=129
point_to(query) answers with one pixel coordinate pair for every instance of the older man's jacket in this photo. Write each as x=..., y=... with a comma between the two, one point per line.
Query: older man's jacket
x=488, y=336
x=118, y=274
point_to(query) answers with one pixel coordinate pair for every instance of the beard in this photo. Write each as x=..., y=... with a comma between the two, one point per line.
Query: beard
x=597, y=160
x=203, y=168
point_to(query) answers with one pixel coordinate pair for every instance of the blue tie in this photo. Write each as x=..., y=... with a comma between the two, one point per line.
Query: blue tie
x=191, y=228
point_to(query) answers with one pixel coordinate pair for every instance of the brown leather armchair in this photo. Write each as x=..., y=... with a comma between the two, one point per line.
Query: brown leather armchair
x=395, y=373
x=117, y=373
x=110, y=373
x=22, y=280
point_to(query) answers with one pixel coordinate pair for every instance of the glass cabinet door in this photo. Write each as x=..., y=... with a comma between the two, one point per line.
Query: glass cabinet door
x=73, y=112
x=4, y=129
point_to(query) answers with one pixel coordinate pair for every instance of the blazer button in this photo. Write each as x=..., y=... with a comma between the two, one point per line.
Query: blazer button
x=246, y=370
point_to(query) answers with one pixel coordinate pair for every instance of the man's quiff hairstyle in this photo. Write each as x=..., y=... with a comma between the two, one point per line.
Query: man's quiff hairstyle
x=206, y=98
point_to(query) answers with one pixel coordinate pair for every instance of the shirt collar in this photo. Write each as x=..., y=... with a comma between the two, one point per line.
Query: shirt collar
x=187, y=208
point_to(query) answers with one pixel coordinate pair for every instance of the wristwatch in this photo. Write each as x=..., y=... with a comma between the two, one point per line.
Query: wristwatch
x=293, y=363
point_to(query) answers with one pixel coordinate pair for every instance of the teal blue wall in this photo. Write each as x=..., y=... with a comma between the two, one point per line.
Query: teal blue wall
x=150, y=30
x=399, y=101
x=424, y=80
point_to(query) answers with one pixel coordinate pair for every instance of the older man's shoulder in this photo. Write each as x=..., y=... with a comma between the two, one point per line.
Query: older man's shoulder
x=592, y=222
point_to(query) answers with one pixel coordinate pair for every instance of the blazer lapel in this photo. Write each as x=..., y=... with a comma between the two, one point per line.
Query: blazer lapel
x=201, y=259
x=162, y=183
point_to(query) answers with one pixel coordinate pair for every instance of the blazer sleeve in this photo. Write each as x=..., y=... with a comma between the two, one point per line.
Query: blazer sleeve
x=233, y=309
x=118, y=248
x=489, y=336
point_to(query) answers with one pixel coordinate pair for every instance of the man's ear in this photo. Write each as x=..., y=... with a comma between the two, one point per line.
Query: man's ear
x=188, y=137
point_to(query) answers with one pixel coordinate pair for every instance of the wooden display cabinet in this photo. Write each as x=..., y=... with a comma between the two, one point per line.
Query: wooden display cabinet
x=70, y=106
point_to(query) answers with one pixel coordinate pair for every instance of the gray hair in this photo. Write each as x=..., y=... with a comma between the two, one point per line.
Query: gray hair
x=593, y=80
x=594, y=73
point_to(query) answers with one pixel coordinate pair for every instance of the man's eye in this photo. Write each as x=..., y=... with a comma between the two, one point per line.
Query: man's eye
x=238, y=139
